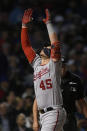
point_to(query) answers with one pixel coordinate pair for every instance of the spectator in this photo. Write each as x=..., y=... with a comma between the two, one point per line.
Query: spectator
x=11, y=98
x=21, y=121
x=19, y=106
x=4, y=87
x=28, y=105
x=4, y=118
x=28, y=92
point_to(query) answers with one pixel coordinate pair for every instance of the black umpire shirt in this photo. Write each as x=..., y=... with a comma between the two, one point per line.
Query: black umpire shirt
x=72, y=90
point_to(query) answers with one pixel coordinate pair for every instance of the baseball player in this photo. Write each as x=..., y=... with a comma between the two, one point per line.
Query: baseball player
x=47, y=75
x=73, y=99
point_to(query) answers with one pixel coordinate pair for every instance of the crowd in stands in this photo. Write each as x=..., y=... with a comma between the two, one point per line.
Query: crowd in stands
x=16, y=74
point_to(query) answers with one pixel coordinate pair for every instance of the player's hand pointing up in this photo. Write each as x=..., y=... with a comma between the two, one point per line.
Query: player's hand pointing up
x=27, y=16
x=48, y=16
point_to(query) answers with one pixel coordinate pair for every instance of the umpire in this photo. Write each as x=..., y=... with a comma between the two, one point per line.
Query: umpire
x=72, y=91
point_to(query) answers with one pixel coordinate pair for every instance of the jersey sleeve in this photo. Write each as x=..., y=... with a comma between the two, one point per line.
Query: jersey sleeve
x=80, y=90
x=36, y=62
x=28, y=50
x=55, y=51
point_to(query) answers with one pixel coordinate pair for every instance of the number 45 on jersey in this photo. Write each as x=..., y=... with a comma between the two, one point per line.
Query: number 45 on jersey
x=48, y=84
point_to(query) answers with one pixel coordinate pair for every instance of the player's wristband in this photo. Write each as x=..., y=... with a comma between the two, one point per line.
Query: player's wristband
x=24, y=25
x=50, y=27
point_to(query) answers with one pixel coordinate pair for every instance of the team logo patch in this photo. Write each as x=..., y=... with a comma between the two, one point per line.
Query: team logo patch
x=41, y=73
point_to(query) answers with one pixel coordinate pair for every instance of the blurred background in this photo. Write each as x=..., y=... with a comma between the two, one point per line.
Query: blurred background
x=69, y=18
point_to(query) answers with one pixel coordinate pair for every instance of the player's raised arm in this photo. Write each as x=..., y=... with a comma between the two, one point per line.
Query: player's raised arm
x=26, y=46
x=55, y=44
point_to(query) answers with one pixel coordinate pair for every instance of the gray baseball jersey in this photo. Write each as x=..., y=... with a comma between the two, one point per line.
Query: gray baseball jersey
x=47, y=79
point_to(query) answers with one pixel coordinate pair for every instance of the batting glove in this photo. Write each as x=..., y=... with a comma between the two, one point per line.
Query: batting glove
x=27, y=16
